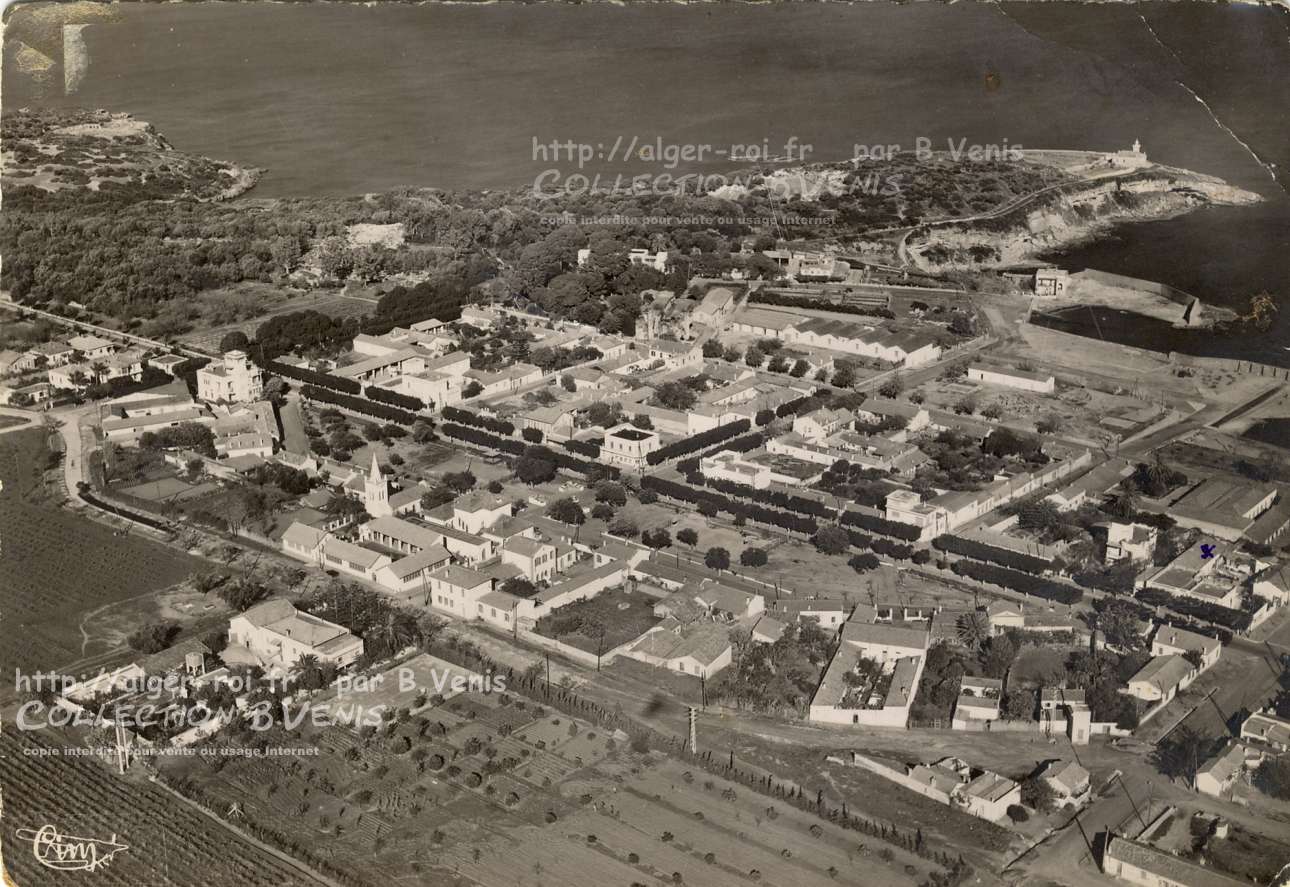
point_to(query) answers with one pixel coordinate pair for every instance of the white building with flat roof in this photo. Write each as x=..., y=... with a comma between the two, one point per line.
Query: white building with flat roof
x=1040, y=383
x=233, y=379
x=629, y=446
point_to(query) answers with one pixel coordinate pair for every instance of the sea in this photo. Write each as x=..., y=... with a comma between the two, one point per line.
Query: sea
x=342, y=99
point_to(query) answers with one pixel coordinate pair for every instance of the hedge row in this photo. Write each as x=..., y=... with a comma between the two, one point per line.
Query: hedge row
x=895, y=550
x=791, y=408
x=583, y=447
x=785, y=301
x=750, y=510
x=994, y=554
x=1148, y=614
x=135, y=516
x=700, y=441
x=515, y=447
x=1236, y=620
x=1022, y=582
x=497, y=426
x=743, y=444
x=881, y=525
x=746, y=443
x=394, y=398
x=359, y=405
x=778, y=498
x=321, y=380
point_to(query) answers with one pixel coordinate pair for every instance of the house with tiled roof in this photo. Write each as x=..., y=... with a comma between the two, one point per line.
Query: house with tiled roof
x=989, y=796
x=456, y=589
x=1265, y=729
x=1274, y=584
x=729, y=604
x=718, y=303
x=356, y=560
x=412, y=573
x=279, y=634
x=768, y=629
x=535, y=560
x=979, y=700
x=1216, y=776
x=1004, y=614
x=304, y=542
x=92, y=347
x=46, y=354
x=1068, y=780
x=828, y=612
x=873, y=676
x=1142, y=864
x=585, y=583
x=1161, y=679
x=1179, y=641
x=876, y=409
x=702, y=649
x=1092, y=486
x=399, y=535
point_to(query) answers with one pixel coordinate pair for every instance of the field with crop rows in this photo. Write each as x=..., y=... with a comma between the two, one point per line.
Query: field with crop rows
x=56, y=566
x=492, y=789
x=659, y=820
x=407, y=798
x=168, y=842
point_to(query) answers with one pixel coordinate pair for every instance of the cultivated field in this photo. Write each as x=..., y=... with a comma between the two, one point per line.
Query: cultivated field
x=57, y=567
x=601, y=623
x=660, y=822
x=167, y=841
x=492, y=789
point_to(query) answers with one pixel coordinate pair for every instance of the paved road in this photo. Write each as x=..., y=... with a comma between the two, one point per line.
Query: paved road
x=30, y=419
x=75, y=453
x=84, y=326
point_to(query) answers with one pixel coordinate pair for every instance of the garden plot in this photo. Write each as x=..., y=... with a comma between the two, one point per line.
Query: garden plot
x=728, y=812
x=165, y=488
x=600, y=623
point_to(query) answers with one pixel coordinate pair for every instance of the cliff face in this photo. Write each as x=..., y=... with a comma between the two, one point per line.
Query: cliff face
x=1067, y=218
x=62, y=153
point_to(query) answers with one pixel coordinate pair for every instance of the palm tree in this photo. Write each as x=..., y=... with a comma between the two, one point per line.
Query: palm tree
x=973, y=629
x=100, y=370
x=1124, y=503
x=394, y=633
x=308, y=671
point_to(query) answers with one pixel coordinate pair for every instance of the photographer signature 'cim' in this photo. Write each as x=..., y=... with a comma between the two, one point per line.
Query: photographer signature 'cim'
x=69, y=853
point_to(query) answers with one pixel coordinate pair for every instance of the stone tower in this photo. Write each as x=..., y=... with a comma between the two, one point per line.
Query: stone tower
x=376, y=494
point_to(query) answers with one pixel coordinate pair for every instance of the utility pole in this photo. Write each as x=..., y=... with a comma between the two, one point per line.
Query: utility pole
x=1084, y=835
x=694, y=731
x=1130, y=797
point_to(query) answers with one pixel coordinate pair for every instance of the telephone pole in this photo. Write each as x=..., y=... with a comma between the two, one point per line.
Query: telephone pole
x=694, y=731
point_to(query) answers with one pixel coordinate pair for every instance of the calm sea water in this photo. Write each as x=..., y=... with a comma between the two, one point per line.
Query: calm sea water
x=335, y=99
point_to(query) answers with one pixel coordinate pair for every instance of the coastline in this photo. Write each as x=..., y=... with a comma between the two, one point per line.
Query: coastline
x=1070, y=220
x=244, y=179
